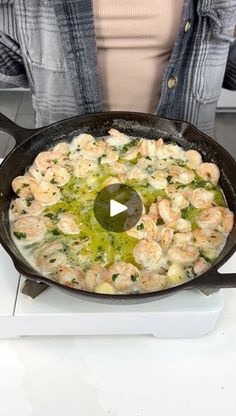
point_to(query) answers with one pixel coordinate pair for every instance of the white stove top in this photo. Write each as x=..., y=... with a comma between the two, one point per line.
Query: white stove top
x=185, y=314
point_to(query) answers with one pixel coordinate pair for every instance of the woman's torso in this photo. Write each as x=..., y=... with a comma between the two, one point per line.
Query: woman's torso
x=134, y=40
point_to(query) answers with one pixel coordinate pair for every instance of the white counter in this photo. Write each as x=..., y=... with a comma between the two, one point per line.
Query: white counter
x=119, y=376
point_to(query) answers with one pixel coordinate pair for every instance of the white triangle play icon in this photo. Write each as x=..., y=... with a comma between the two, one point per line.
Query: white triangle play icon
x=116, y=208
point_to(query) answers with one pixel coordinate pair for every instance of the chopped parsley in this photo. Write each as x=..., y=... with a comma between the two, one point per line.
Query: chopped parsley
x=148, y=158
x=114, y=276
x=169, y=179
x=100, y=158
x=52, y=260
x=134, y=277
x=28, y=202
x=159, y=221
x=20, y=236
x=55, y=231
x=55, y=161
x=140, y=226
x=49, y=215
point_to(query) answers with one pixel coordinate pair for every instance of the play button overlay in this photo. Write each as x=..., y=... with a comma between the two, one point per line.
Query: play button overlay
x=118, y=208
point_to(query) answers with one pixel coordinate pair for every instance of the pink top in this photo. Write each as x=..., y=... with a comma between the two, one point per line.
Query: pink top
x=135, y=39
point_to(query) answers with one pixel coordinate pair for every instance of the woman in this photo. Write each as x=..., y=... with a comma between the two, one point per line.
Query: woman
x=82, y=56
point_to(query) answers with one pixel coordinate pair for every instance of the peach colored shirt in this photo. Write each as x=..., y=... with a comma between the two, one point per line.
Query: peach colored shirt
x=135, y=39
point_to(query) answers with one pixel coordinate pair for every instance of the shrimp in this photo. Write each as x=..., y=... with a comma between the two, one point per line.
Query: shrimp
x=29, y=229
x=167, y=213
x=109, y=156
x=151, y=281
x=21, y=186
x=94, y=150
x=153, y=210
x=117, y=138
x=227, y=219
x=67, y=224
x=122, y=275
x=21, y=206
x=181, y=175
x=185, y=255
x=35, y=174
x=210, y=218
x=194, y=159
x=46, y=160
x=145, y=229
x=57, y=175
x=183, y=238
x=131, y=153
x=208, y=239
x=201, y=198
x=119, y=168
x=50, y=257
x=179, y=201
x=45, y=193
x=147, y=254
x=71, y=276
x=181, y=225
x=135, y=173
x=209, y=172
x=166, y=235
x=95, y=276
x=83, y=166
x=201, y=266
x=79, y=142
x=63, y=148
x=148, y=147
x=170, y=151
x=158, y=180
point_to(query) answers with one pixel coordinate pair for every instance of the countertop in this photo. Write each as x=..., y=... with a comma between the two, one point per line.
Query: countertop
x=122, y=375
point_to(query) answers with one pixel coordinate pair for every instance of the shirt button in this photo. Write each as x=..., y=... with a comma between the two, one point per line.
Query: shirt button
x=187, y=26
x=172, y=82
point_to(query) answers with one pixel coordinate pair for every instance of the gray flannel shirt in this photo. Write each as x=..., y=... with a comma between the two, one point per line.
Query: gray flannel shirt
x=51, y=46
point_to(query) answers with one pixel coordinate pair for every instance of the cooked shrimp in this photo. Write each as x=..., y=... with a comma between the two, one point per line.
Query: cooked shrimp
x=135, y=173
x=119, y=168
x=45, y=193
x=181, y=239
x=57, y=175
x=93, y=150
x=109, y=156
x=67, y=224
x=158, y=180
x=148, y=147
x=153, y=210
x=151, y=281
x=208, y=239
x=46, y=160
x=209, y=172
x=170, y=151
x=210, y=218
x=147, y=254
x=29, y=230
x=185, y=255
x=145, y=229
x=35, y=174
x=181, y=175
x=166, y=237
x=227, y=219
x=201, y=198
x=194, y=159
x=131, y=154
x=71, y=276
x=143, y=163
x=79, y=142
x=167, y=213
x=179, y=201
x=117, y=138
x=83, y=166
x=122, y=275
x=201, y=266
x=21, y=186
x=181, y=225
x=21, y=206
x=95, y=276
x=176, y=274
x=50, y=257
x=63, y=148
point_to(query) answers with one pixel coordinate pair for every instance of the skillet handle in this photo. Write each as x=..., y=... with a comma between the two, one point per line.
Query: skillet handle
x=18, y=132
x=215, y=280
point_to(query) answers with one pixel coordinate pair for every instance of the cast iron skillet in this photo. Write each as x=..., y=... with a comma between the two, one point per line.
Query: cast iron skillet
x=30, y=142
